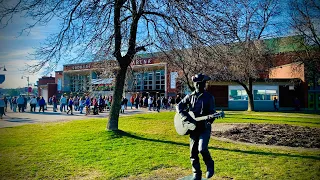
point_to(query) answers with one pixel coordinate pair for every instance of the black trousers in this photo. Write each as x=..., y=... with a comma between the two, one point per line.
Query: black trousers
x=199, y=144
x=41, y=107
x=33, y=107
x=21, y=107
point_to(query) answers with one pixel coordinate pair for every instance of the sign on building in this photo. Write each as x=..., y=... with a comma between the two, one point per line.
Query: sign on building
x=173, y=77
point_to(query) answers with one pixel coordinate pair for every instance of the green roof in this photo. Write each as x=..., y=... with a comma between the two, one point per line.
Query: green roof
x=285, y=44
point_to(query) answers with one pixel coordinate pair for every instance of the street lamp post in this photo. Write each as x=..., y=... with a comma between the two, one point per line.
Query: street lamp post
x=28, y=82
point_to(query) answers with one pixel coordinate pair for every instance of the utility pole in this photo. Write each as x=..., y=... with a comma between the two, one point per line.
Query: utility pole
x=28, y=83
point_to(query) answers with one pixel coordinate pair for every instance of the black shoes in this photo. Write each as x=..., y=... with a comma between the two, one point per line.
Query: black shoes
x=210, y=173
x=196, y=176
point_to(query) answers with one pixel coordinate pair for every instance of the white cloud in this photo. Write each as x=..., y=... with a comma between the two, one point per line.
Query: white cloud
x=15, y=70
x=15, y=55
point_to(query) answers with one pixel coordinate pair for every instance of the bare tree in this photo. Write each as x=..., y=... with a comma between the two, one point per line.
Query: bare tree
x=305, y=22
x=230, y=47
x=120, y=28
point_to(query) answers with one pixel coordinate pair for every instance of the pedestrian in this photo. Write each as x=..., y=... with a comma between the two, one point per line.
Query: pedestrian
x=63, y=103
x=42, y=103
x=70, y=105
x=165, y=102
x=136, y=101
x=145, y=102
x=122, y=105
x=95, y=106
x=67, y=98
x=14, y=104
x=50, y=101
x=107, y=103
x=125, y=101
x=201, y=103
x=141, y=101
x=154, y=103
x=2, y=105
x=5, y=103
x=275, y=104
x=150, y=103
x=54, y=102
x=38, y=99
x=33, y=104
x=82, y=103
x=132, y=100
x=10, y=102
x=158, y=104
x=76, y=103
x=101, y=104
x=88, y=104
x=20, y=102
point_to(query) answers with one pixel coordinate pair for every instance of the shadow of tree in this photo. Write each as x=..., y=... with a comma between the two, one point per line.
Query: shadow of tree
x=120, y=133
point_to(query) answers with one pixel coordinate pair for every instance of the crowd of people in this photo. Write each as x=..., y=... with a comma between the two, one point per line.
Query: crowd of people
x=84, y=104
x=153, y=103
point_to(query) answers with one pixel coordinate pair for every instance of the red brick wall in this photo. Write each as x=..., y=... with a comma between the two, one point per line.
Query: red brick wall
x=52, y=89
x=45, y=80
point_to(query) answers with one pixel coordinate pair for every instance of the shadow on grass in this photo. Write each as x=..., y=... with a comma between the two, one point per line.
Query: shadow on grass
x=20, y=120
x=142, y=118
x=120, y=133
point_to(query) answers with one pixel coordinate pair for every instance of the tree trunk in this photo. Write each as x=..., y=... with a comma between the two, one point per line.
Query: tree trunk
x=116, y=99
x=250, y=96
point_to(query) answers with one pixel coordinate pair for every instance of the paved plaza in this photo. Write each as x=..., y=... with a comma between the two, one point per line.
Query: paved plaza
x=17, y=119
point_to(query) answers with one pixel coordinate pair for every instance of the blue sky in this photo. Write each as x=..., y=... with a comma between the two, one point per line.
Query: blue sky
x=15, y=50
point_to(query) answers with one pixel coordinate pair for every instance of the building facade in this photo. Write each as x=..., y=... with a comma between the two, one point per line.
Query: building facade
x=148, y=76
x=47, y=87
x=151, y=75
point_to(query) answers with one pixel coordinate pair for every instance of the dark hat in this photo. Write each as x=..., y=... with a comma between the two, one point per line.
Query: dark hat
x=200, y=78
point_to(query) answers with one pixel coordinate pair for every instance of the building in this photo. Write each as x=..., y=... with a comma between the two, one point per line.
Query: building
x=288, y=81
x=47, y=87
x=151, y=75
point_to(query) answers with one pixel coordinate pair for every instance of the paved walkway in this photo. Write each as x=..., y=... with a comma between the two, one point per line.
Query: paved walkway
x=18, y=119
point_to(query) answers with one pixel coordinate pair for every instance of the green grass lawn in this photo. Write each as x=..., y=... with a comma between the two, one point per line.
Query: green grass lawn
x=146, y=148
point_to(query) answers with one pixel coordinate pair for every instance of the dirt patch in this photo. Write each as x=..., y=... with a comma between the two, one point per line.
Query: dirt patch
x=273, y=134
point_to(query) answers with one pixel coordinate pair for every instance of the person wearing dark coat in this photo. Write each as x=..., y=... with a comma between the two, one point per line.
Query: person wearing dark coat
x=42, y=103
x=137, y=101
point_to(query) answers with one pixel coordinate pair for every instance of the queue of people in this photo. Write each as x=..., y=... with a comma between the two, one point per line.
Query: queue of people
x=84, y=105
x=87, y=103
x=152, y=103
x=20, y=103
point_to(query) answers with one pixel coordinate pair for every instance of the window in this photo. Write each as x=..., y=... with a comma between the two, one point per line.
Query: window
x=236, y=94
x=72, y=83
x=147, y=80
x=79, y=83
x=264, y=94
x=260, y=93
x=160, y=80
x=138, y=81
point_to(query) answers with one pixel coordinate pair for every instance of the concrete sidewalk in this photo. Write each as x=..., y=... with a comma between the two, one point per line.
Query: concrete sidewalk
x=17, y=119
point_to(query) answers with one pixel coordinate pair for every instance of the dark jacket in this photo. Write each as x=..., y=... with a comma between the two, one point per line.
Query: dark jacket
x=42, y=102
x=200, y=104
